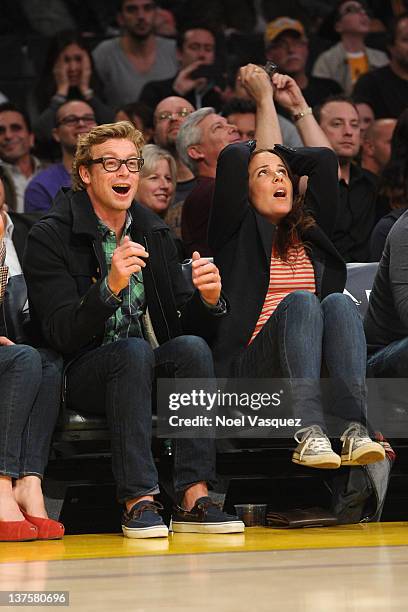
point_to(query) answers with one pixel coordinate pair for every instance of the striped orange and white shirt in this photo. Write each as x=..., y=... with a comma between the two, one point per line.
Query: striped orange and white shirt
x=296, y=274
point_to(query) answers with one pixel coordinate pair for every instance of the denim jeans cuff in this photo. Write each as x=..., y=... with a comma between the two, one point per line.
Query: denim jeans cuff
x=9, y=474
x=179, y=492
x=22, y=474
x=154, y=491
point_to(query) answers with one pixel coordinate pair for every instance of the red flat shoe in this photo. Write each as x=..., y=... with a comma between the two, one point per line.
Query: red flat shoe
x=17, y=531
x=47, y=528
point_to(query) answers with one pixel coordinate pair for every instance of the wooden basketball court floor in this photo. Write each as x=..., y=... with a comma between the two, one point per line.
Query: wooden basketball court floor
x=349, y=568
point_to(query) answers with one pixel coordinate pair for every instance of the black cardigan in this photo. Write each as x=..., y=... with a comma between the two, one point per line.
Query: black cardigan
x=241, y=239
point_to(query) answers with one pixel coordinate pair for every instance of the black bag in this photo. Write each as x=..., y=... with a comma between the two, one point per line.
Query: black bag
x=14, y=312
x=358, y=493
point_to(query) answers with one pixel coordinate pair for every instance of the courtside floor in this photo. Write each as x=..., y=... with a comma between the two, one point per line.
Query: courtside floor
x=357, y=568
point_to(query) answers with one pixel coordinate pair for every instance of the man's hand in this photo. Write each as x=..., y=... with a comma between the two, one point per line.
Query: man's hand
x=287, y=93
x=184, y=83
x=5, y=341
x=206, y=278
x=127, y=260
x=256, y=83
x=2, y=228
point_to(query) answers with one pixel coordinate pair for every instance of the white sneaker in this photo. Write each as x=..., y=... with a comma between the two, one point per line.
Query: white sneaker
x=358, y=448
x=314, y=449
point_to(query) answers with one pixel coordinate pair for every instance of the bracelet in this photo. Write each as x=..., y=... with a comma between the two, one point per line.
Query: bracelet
x=88, y=94
x=59, y=99
x=303, y=113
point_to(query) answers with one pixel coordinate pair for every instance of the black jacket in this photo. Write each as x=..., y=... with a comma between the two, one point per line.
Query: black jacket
x=241, y=239
x=64, y=265
x=22, y=222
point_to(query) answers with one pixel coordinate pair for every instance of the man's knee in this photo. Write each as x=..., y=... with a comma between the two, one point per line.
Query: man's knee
x=129, y=352
x=193, y=346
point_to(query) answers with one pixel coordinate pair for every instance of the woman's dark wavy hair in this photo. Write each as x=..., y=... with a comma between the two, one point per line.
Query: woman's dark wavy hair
x=394, y=178
x=297, y=221
x=46, y=85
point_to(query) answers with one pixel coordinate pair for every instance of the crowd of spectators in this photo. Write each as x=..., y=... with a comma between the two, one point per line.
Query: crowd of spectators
x=198, y=79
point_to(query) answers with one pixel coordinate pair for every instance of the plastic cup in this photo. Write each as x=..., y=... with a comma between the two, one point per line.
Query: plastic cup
x=252, y=515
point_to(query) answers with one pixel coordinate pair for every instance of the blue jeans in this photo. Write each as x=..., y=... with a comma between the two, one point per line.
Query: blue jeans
x=390, y=361
x=117, y=379
x=302, y=335
x=30, y=392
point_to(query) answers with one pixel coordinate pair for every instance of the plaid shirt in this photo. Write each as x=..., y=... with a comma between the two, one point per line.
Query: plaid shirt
x=3, y=270
x=125, y=322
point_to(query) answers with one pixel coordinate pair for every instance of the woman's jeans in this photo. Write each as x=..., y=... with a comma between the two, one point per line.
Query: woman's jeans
x=30, y=392
x=302, y=335
x=117, y=379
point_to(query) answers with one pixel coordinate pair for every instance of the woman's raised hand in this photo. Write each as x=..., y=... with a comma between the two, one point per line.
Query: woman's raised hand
x=60, y=72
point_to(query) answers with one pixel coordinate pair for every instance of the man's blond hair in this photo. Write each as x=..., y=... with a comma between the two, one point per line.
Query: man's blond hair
x=98, y=135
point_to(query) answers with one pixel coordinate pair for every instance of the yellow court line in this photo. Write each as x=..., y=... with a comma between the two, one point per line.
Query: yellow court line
x=255, y=539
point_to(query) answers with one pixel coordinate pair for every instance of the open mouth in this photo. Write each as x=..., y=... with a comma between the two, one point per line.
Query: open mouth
x=122, y=189
x=280, y=193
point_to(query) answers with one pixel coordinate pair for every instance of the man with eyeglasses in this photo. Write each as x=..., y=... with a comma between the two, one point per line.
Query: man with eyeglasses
x=346, y=61
x=198, y=79
x=72, y=119
x=169, y=115
x=120, y=309
x=138, y=56
x=287, y=46
x=19, y=165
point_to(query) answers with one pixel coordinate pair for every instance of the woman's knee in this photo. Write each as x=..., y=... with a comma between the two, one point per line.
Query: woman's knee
x=303, y=299
x=340, y=305
x=27, y=359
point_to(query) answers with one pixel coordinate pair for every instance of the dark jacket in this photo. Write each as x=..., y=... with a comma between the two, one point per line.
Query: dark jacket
x=22, y=222
x=241, y=239
x=64, y=265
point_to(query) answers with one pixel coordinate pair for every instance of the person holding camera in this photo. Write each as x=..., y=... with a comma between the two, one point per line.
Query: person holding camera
x=198, y=78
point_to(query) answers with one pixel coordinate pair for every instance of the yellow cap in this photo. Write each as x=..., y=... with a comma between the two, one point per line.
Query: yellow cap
x=282, y=24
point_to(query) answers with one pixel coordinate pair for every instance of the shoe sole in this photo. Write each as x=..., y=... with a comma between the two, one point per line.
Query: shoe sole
x=186, y=527
x=145, y=532
x=22, y=540
x=323, y=462
x=364, y=456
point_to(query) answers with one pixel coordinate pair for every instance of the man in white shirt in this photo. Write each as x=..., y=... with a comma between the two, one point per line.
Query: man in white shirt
x=16, y=227
x=125, y=64
x=16, y=141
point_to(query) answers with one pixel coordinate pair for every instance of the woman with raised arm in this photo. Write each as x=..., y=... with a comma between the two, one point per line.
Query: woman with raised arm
x=284, y=280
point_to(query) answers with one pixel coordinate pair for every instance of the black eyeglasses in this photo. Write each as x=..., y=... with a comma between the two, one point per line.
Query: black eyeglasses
x=112, y=164
x=168, y=115
x=72, y=120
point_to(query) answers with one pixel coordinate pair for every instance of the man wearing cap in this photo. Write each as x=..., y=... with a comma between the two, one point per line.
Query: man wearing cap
x=346, y=61
x=287, y=46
